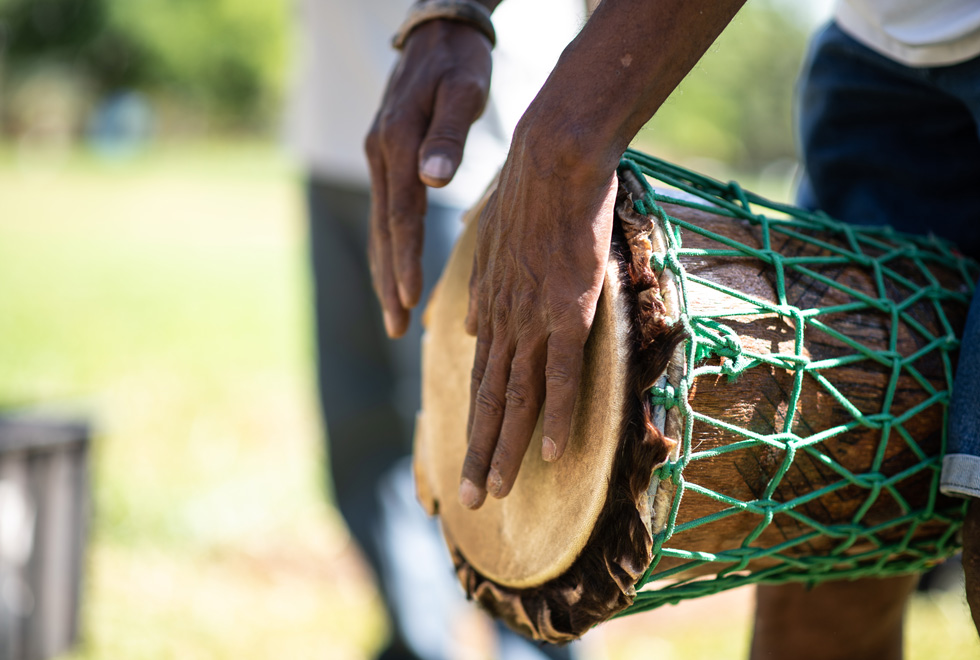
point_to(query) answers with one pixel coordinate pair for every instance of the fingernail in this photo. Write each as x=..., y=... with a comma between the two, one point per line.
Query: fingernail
x=549, y=450
x=469, y=495
x=437, y=167
x=494, y=482
x=403, y=295
x=389, y=323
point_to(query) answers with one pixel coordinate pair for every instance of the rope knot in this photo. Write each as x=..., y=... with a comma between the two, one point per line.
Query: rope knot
x=658, y=261
x=664, y=396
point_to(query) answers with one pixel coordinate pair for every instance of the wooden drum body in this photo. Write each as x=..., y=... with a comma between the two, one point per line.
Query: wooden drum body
x=764, y=399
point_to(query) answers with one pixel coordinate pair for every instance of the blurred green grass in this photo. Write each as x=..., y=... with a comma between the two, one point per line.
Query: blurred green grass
x=165, y=297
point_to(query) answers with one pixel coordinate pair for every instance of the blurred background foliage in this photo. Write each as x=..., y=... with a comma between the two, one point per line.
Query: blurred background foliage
x=735, y=107
x=220, y=66
x=203, y=65
x=153, y=277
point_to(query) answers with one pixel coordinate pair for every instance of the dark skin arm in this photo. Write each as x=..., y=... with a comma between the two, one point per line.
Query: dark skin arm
x=544, y=237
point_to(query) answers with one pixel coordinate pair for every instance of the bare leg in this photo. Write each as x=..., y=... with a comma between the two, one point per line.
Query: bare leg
x=845, y=620
x=971, y=559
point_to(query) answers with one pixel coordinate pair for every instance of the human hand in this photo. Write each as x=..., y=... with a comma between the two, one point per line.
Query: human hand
x=437, y=90
x=542, y=248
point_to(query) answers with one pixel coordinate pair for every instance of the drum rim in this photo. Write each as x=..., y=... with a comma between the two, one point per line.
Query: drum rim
x=562, y=608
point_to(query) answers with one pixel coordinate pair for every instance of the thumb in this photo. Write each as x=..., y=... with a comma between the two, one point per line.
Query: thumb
x=457, y=106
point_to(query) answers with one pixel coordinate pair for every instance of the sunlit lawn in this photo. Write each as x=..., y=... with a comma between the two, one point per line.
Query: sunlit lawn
x=165, y=297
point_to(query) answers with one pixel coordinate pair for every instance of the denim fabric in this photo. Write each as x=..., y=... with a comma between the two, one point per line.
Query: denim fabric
x=369, y=395
x=886, y=143
x=961, y=465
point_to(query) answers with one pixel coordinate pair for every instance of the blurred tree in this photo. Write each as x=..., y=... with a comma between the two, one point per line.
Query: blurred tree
x=736, y=105
x=224, y=58
x=75, y=34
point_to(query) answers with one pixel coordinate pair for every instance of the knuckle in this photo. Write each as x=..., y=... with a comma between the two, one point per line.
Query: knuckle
x=395, y=125
x=561, y=310
x=469, y=86
x=557, y=375
x=571, y=311
x=518, y=397
x=500, y=315
x=572, y=333
x=488, y=404
x=526, y=314
x=392, y=119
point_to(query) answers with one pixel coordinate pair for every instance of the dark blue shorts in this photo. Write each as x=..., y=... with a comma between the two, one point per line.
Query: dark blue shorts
x=886, y=143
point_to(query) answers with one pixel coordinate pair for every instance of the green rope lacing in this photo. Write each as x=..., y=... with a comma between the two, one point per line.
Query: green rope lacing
x=709, y=337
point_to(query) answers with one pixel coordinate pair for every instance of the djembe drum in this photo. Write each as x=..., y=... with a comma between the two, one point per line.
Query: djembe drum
x=763, y=399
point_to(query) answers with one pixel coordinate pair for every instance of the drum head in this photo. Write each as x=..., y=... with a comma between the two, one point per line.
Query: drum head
x=536, y=532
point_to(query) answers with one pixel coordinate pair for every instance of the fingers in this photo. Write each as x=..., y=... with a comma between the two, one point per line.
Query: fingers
x=525, y=390
x=506, y=401
x=562, y=375
x=487, y=411
x=507, y=390
x=471, y=309
x=397, y=213
x=406, y=224
x=380, y=260
x=438, y=88
x=480, y=359
x=459, y=102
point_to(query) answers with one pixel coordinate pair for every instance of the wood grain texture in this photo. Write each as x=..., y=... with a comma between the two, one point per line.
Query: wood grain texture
x=758, y=400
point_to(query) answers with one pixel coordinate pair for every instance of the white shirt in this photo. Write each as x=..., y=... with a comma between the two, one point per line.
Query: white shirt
x=344, y=61
x=914, y=32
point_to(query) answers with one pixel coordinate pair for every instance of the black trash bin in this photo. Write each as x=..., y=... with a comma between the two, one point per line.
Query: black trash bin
x=44, y=510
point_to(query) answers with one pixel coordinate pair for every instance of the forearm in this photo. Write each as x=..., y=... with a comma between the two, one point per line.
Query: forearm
x=614, y=76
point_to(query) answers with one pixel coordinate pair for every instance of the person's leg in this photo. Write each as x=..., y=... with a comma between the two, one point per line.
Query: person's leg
x=369, y=394
x=365, y=432
x=844, y=620
x=884, y=143
x=961, y=465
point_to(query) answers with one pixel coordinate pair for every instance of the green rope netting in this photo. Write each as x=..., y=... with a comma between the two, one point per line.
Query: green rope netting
x=873, y=248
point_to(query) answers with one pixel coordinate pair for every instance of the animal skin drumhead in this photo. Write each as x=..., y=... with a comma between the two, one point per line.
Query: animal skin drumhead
x=535, y=533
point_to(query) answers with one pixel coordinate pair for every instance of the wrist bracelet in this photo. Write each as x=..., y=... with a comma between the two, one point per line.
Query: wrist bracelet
x=464, y=11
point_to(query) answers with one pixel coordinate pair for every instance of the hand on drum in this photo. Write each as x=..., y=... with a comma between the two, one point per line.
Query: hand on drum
x=542, y=247
x=544, y=237
x=438, y=89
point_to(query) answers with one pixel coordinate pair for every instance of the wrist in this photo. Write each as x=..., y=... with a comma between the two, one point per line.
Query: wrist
x=475, y=13
x=568, y=143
